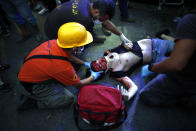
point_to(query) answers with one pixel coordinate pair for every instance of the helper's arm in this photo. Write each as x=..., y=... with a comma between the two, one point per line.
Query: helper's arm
x=131, y=87
x=110, y=26
x=72, y=57
x=76, y=60
x=93, y=76
x=86, y=81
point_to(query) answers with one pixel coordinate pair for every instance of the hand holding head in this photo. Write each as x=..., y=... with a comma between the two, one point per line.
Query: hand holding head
x=87, y=64
x=95, y=74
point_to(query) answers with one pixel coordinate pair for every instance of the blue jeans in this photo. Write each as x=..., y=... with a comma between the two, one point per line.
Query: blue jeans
x=123, y=6
x=160, y=48
x=18, y=10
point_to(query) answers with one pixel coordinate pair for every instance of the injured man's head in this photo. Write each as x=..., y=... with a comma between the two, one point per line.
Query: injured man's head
x=105, y=63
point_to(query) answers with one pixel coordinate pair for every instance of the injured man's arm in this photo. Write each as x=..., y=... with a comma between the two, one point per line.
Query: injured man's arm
x=131, y=88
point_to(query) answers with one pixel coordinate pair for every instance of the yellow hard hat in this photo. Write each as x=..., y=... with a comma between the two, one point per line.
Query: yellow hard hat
x=72, y=35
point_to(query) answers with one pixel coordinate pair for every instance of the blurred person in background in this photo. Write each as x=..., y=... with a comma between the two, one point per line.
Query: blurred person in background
x=19, y=12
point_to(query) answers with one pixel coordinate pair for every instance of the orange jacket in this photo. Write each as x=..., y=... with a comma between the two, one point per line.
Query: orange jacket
x=39, y=70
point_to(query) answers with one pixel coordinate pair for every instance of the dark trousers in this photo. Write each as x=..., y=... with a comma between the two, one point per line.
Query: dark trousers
x=164, y=91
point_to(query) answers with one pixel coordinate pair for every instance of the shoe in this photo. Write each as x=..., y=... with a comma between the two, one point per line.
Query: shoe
x=5, y=32
x=4, y=67
x=5, y=88
x=98, y=39
x=43, y=11
x=106, y=32
x=28, y=104
x=127, y=20
x=164, y=31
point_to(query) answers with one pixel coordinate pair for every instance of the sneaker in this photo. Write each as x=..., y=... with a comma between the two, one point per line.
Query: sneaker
x=43, y=11
x=98, y=39
x=5, y=32
x=127, y=20
x=5, y=88
x=28, y=104
x=4, y=67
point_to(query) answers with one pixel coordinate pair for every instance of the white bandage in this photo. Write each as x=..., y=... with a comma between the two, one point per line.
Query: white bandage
x=126, y=42
x=124, y=39
x=127, y=94
x=128, y=45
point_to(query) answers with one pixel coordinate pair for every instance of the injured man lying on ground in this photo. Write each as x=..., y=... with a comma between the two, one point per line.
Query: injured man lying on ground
x=122, y=60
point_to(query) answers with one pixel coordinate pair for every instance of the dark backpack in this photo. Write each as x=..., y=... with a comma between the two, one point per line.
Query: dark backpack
x=100, y=106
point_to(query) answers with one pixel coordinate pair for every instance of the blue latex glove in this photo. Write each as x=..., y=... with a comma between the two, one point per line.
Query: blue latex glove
x=145, y=71
x=87, y=64
x=96, y=74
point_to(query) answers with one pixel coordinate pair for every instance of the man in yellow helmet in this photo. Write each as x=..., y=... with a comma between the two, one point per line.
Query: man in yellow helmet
x=47, y=70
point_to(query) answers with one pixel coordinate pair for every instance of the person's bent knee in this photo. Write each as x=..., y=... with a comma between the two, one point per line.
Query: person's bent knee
x=144, y=98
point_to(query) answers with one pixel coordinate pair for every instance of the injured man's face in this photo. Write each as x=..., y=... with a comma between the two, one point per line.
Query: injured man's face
x=108, y=62
x=99, y=65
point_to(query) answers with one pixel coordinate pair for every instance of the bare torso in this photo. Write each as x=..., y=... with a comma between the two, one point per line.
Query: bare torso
x=128, y=59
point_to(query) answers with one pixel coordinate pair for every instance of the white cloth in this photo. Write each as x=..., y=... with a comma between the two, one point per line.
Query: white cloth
x=126, y=42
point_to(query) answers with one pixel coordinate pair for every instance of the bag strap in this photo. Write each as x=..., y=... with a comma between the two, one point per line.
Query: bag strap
x=76, y=116
x=47, y=57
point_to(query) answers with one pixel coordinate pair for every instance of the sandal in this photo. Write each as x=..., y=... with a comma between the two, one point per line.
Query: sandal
x=4, y=67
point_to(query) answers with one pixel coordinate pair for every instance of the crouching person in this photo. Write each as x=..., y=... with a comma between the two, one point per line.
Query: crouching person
x=47, y=70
